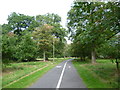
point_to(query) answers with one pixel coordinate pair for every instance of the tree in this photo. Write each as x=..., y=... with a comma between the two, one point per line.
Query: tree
x=53, y=20
x=8, y=46
x=92, y=23
x=19, y=22
x=58, y=32
x=80, y=50
x=26, y=37
x=26, y=49
x=68, y=50
x=42, y=35
x=48, y=18
x=15, y=48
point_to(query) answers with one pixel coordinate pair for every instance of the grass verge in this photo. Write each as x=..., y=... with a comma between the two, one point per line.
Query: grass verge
x=100, y=75
x=26, y=81
x=15, y=71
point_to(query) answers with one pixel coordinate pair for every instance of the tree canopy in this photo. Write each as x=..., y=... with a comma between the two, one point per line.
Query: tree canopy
x=19, y=22
x=93, y=23
x=25, y=37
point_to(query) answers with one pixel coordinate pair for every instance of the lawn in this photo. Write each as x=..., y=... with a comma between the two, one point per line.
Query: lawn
x=103, y=74
x=15, y=71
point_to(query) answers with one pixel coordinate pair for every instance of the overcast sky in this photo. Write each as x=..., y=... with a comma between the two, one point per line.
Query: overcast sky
x=35, y=7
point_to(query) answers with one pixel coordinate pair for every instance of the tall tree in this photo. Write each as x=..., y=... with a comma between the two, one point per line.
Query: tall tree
x=57, y=31
x=93, y=23
x=44, y=38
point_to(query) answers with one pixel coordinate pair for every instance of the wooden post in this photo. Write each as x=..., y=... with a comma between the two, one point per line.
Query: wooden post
x=53, y=49
x=44, y=56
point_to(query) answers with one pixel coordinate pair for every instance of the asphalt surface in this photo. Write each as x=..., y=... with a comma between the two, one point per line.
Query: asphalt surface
x=63, y=75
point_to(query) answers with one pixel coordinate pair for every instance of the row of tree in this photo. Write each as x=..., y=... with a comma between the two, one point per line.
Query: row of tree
x=26, y=38
x=95, y=29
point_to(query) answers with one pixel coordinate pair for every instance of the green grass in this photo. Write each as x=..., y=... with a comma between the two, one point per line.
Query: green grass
x=104, y=61
x=14, y=71
x=0, y=82
x=100, y=75
x=25, y=82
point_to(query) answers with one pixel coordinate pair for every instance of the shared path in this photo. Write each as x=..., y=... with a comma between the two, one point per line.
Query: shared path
x=64, y=75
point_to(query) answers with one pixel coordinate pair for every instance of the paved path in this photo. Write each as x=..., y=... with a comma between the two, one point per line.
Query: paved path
x=63, y=75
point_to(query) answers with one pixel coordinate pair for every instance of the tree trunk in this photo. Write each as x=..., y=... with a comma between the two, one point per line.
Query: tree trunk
x=93, y=56
x=44, y=56
x=84, y=58
x=81, y=58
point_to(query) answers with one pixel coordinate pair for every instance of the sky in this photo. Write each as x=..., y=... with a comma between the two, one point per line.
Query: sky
x=35, y=7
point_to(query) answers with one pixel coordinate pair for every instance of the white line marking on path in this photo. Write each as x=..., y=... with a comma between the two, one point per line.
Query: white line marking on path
x=58, y=66
x=60, y=79
x=69, y=66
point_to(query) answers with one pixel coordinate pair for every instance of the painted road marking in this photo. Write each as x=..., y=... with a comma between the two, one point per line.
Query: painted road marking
x=69, y=67
x=58, y=66
x=61, y=76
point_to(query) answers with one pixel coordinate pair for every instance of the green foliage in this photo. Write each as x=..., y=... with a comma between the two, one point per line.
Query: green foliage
x=26, y=37
x=42, y=35
x=67, y=50
x=17, y=44
x=80, y=50
x=53, y=20
x=8, y=46
x=57, y=31
x=92, y=24
x=20, y=22
x=26, y=48
x=110, y=49
x=48, y=19
x=6, y=28
x=18, y=48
